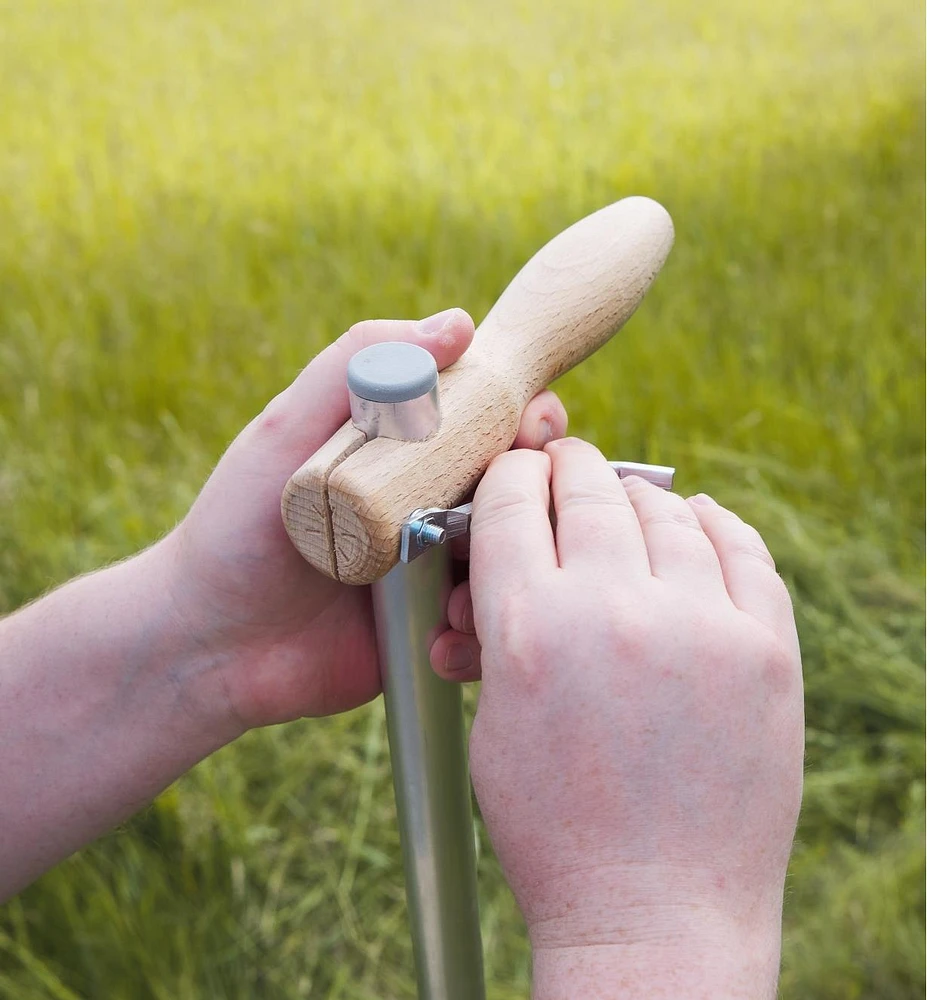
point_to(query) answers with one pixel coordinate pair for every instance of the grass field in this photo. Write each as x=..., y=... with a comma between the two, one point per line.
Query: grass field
x=195, y=196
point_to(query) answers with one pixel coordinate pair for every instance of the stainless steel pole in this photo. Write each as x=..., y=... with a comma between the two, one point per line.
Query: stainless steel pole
x=428, y=751
x=394, y=393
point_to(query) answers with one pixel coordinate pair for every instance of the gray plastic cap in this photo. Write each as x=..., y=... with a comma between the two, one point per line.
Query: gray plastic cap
x=392, y=373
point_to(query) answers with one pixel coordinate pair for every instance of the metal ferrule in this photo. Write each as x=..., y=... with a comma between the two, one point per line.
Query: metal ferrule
x=408, y=420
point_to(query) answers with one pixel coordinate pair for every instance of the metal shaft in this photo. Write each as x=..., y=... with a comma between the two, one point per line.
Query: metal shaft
x=394, y=393
x=428, y=752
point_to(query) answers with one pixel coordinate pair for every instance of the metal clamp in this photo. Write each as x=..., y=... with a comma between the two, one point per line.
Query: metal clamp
x=429, y=526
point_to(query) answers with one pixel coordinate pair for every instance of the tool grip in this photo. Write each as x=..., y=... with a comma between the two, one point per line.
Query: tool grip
x=563, y=305
x=573, y=294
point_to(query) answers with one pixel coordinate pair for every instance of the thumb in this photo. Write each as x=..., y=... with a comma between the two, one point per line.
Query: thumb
x=308, y=412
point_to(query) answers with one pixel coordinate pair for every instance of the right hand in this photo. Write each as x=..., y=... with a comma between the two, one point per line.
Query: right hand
x=637, y=752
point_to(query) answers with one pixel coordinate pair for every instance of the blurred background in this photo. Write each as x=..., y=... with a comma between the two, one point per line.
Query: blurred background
x=196, y=196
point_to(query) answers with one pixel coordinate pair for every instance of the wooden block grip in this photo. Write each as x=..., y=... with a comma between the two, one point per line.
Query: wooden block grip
x=565, y=303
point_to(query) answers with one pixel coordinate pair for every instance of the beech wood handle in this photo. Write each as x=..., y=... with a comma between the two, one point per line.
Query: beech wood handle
x=345, y=507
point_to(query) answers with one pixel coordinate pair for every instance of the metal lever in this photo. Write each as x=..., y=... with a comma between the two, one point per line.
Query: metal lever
x=429, y=526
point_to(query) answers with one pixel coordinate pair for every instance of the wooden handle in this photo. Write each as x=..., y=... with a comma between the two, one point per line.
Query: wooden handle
x=564, y=304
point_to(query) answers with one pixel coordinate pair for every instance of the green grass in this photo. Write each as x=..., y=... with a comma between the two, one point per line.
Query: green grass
x=195, y=196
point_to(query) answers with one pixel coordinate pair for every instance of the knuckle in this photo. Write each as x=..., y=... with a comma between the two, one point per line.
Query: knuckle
x=670, y=516
x=580, y=496
x=719, y=513
x=628, y=640
x=508, y=487
x=749, y=543
x=522, y=641
x=627, y=635
x=778, y=665
x=499, y=507
x=275, y=420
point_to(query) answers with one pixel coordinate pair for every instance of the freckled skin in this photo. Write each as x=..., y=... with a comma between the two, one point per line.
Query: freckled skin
x=637, y=750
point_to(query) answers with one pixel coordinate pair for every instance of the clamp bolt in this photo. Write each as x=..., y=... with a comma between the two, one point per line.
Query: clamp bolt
x=428, y=533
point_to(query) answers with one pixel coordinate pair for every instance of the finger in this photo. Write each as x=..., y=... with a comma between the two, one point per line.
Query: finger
x=456, y=657
x=511, y=540
x=460, y=609
x=749, y=570
x=308, y=412
x=596, y=525
x=677, y=547
x=544, y=420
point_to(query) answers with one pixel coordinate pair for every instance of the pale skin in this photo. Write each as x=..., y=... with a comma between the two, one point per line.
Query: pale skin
x=118, y=682
x=637, y=748
x=637, y=751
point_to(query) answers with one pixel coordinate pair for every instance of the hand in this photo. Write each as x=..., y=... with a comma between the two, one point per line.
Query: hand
x=637, y=750
x=285, y=640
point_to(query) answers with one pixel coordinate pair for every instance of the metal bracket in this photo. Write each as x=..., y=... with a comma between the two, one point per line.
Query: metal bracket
x=427, y=526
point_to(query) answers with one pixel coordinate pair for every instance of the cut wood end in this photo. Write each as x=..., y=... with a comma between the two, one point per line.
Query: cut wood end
x=306, y=522
x=365, y=550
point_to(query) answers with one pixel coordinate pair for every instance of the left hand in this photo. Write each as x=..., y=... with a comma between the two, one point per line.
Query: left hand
x=282, y=639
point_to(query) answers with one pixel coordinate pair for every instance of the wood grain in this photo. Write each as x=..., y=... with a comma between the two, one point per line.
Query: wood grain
x=345, y=507
x=305, y=504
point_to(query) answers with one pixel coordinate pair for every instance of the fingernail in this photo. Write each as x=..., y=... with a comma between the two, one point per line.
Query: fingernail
x=458, y=658
x=544, y=434
x=633, y=481
x=432, y=325
x=703, y=499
